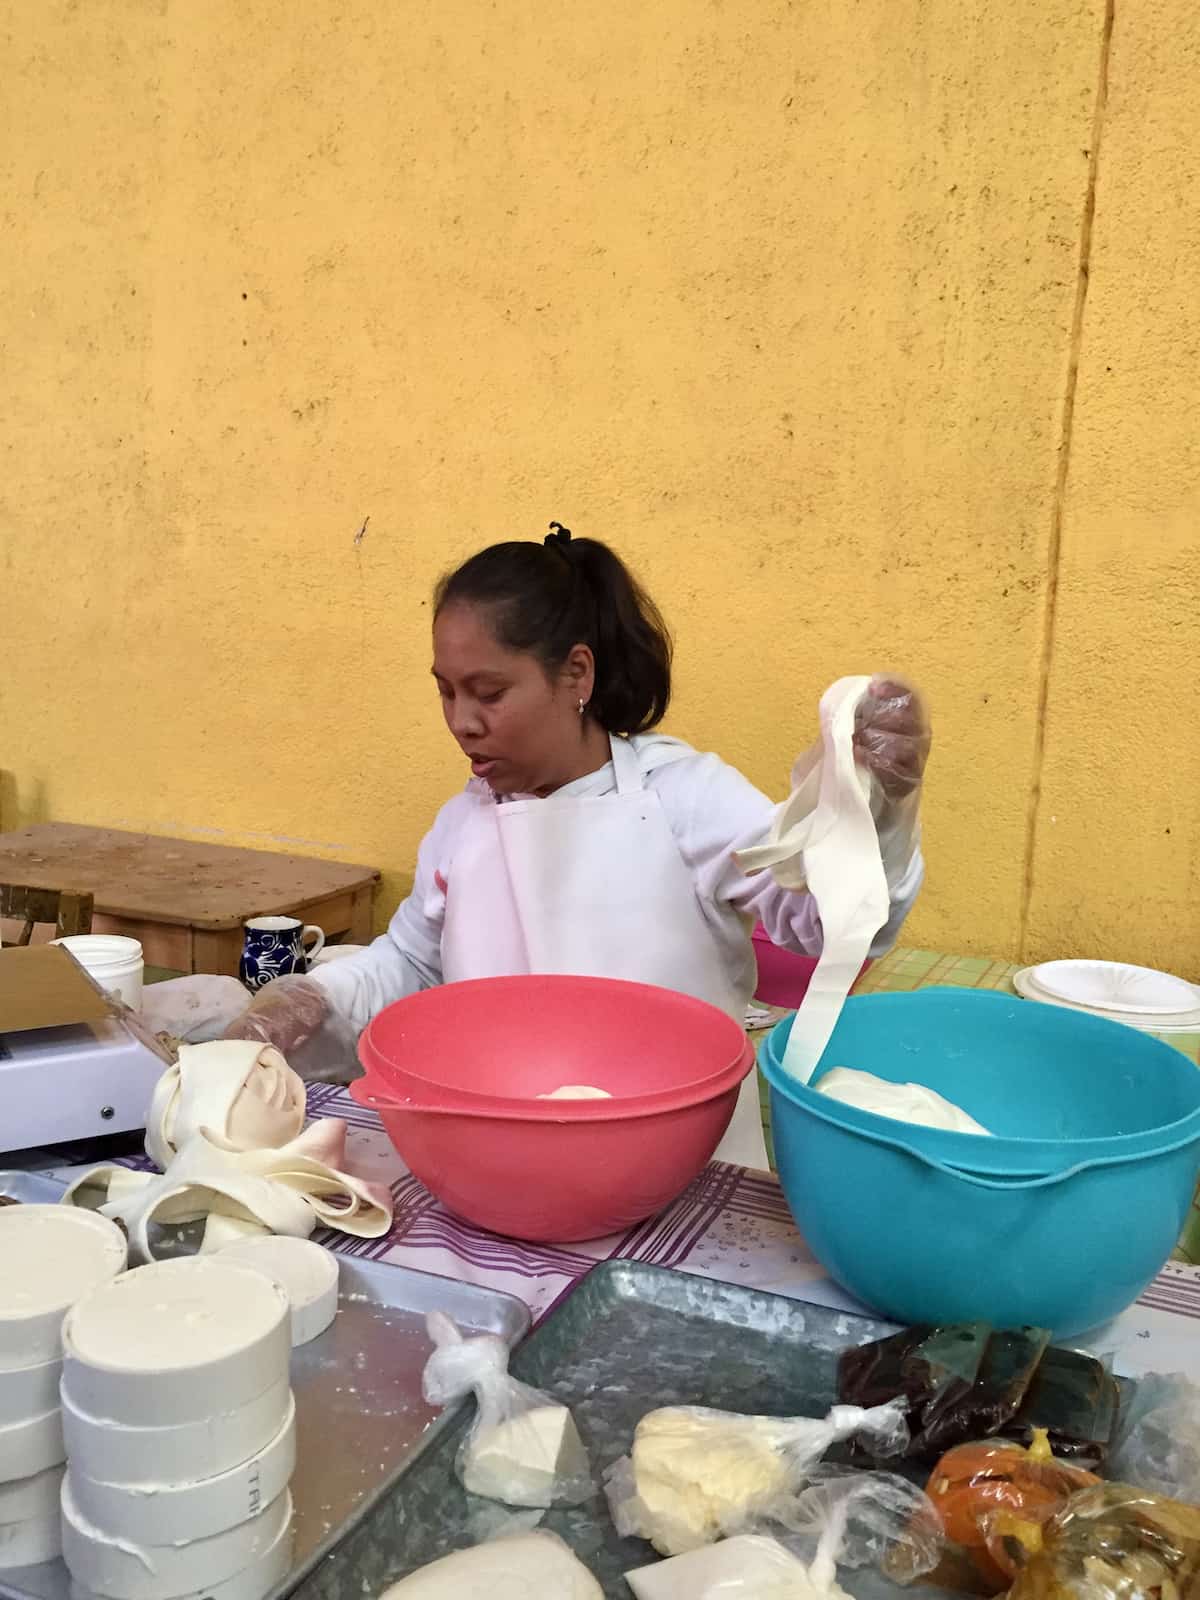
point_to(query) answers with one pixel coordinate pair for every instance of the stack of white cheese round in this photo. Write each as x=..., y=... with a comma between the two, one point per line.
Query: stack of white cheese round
x=180, y=1431
x=51, y=1256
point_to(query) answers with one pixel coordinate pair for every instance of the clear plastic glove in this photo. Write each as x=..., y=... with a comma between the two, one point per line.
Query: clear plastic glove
x=296, y=1016
x=892, y=736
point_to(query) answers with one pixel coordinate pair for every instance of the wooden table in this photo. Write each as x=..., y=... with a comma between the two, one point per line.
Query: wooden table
x=186, y=902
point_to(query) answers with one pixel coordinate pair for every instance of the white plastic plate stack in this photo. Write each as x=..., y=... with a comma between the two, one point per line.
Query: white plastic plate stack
x=1140, y=997
x=180, y=1430
x=51, y=1257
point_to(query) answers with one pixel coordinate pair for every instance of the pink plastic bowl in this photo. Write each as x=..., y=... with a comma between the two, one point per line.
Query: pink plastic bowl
x=455, y=1072
x=783, y=978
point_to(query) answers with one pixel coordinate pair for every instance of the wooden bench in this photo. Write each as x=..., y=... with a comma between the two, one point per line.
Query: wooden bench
x=187, y=902
x=28, y=906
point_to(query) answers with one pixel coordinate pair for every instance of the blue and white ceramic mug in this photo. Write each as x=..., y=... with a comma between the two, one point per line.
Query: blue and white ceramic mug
x=275, y=948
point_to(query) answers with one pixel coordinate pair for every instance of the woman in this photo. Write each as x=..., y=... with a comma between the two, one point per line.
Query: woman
x=585, y=841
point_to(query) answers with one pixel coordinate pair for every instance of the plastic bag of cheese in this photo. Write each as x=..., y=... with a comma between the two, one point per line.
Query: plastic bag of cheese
x=843, y=1519
x=527, y=1566
x=523, y=1447
x=696, y=1475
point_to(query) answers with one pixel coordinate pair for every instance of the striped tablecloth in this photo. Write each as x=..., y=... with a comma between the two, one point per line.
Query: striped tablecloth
x=730, y=1224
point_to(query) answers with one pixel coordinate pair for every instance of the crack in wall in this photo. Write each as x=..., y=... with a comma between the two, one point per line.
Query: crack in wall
x=1058, y=508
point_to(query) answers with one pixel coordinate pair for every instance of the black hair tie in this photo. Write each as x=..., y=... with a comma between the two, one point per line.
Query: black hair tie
x=559, y=538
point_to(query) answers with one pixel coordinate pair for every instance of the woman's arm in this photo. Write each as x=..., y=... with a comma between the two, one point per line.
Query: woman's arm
x=715, y=811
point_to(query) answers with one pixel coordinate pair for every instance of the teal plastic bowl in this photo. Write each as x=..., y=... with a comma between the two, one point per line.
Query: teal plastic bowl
x=1090, y=1179
x=1054, y=1087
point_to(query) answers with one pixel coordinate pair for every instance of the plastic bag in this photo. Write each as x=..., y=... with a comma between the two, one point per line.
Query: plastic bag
x=965, y=1382
x=839, y=1519
x=932, y=1369
x=988, y=1492
x=1112, y=1542
x=869, y=1519
x=193, y=1009
x=1077, y=1401
x=1158, y=1442
x=523, y=1448
x=695, y=1475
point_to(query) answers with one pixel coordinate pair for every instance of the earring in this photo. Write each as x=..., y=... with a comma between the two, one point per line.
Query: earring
x=582, y=708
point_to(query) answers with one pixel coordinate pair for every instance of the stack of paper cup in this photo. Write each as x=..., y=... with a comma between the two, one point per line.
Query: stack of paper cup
x=180, y=1432
x=51, y=1255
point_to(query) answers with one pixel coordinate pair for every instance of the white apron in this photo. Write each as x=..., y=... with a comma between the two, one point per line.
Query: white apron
x=596, y=886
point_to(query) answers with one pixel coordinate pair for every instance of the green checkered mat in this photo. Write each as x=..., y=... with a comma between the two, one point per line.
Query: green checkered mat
x=906, y=970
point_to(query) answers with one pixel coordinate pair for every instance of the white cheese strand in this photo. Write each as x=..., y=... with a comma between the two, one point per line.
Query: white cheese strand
x=287, y=1191
x=243, y=1092
x=825, y=840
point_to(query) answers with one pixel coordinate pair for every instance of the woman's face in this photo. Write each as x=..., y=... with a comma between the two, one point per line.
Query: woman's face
x=520, y=729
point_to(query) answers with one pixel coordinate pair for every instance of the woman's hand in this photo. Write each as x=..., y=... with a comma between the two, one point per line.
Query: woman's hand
x=892, y=736
x=286, y=1013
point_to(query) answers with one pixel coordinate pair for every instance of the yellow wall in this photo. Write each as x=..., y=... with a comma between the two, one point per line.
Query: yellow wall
x=783, y=299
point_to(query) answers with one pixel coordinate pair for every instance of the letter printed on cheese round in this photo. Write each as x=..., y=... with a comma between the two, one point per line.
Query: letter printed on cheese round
x=124, y=1570
x=193, y=1508
x=178, y=1452
x=176, y=1341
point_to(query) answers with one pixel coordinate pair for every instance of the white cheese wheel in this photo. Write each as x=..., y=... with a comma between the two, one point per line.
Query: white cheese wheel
x=52, y=1256
x=179, y=1452
x=306, y=1272
x=29, y=1543
x=527, y=1566
x=27, y=1448
x=175, y=1342
x=123, y=1570
x=173, y=1513
x=28, y=1391
x=36, y=1497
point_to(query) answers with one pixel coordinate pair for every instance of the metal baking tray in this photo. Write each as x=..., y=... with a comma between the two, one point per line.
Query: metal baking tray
x=631, y=1337
x=30, y=1188
x=361, y=1419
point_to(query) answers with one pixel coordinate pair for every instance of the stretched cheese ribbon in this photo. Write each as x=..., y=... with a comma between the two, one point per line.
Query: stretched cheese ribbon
x=244, y=1093
x=824, y=839
x=238, y=1192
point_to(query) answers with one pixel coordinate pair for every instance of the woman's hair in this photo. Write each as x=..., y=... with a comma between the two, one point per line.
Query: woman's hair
x=547, y=598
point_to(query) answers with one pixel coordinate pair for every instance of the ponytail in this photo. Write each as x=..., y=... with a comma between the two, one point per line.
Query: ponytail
x=545, y=599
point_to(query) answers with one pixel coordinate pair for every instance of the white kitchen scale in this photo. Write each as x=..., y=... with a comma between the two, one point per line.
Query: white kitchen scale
x=74, y=1063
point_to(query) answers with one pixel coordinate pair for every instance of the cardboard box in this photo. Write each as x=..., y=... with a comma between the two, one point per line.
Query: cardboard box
x=43, y=986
